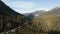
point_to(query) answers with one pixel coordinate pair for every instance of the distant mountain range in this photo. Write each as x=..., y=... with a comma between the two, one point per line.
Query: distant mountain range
x=36, y=13
x=54, y=11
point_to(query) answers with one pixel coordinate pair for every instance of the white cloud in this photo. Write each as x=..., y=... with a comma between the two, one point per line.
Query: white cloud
x=20, y=6
x=23, y=6
x=6, y=0
x=46, y=9
x=22, y=11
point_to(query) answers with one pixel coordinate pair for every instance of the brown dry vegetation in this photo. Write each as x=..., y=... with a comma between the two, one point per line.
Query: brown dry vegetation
x=48, y=22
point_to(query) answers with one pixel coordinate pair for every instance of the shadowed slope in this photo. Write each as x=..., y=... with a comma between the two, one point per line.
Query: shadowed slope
x=9, y=19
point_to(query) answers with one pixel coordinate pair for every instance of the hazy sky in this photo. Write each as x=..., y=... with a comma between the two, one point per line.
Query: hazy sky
x=26, y=6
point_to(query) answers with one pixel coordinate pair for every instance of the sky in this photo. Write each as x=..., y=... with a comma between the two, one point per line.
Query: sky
x=28, y=6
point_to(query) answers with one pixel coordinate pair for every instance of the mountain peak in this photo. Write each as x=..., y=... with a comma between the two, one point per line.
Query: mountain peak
x=55, y=8
x=54, y=11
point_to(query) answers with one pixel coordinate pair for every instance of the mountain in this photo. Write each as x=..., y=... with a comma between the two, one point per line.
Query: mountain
x=54, y=11
x=50, y=20
x=10, y=19
x=12, y=22
x=36, y=13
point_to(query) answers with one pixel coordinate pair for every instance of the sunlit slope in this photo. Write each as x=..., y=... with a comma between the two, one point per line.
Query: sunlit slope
x=48, y=22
